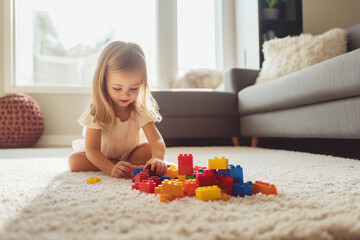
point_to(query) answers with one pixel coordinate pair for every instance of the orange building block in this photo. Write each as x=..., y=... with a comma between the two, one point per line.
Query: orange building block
x=263, y=187
x=225, y=196
x=189, y=186
x=158, y=190
x=164, y=197
x=172, y=172
x=173, y=187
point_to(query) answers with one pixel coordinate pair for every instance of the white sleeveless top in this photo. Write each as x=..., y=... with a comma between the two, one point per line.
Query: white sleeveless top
x=121, y=139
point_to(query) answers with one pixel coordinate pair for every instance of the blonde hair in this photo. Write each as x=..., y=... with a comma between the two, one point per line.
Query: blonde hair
x=120, y=56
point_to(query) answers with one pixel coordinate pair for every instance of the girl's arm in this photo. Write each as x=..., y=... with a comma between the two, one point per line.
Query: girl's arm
x=155, y=140
x=93, y=153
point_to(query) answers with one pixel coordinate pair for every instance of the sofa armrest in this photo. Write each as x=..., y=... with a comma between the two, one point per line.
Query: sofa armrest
x=236, y=79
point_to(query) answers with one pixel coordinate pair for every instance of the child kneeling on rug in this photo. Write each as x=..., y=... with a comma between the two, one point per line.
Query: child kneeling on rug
x=119, y=130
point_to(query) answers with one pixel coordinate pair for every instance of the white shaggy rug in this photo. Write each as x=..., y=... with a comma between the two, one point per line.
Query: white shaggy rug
x=319, y=198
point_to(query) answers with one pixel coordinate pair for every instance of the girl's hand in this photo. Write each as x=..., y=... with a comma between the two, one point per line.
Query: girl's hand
x=155, y=165
x=123, y=170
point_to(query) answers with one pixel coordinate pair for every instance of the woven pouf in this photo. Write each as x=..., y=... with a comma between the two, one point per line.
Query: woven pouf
x=21, y=121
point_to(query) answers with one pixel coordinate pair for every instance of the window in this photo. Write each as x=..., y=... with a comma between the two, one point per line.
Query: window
x=58, y=42
x=196, y=34
x=54, y=44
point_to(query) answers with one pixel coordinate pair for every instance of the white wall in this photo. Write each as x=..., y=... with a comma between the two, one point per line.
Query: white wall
x=62, y=111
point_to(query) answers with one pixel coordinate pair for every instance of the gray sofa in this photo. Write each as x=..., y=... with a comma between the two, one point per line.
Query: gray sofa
x=197, y=113
x=321, y=101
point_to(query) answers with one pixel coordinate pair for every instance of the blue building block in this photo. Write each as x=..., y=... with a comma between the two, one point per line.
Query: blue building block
x=239, y=180
x=201, y=170
x=137, y=170
x=162, y=178
x=236, y=172
x=242, y=189
x=223, y=172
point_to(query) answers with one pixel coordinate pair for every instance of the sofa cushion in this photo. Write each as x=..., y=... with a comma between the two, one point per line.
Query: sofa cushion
x=286, y=55
x=195, y=102
x=335, y=78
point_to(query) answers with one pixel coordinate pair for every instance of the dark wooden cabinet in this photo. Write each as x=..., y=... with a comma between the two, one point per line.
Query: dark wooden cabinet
x=254, y=27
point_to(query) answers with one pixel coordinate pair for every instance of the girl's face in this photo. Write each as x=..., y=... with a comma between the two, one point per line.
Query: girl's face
x=123, y=87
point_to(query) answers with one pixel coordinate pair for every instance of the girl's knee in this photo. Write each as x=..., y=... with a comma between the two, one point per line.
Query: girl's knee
x=74, y=162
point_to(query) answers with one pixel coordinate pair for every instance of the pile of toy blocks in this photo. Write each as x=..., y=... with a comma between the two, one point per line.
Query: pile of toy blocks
x=218, y=181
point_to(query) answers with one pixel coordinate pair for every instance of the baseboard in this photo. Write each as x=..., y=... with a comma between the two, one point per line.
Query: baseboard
x=56, y=140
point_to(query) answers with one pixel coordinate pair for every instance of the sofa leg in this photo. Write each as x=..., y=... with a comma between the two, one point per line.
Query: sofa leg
x=254, y=142
x=235, y=141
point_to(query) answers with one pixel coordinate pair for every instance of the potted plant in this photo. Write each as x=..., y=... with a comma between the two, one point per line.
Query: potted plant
x=271, y=12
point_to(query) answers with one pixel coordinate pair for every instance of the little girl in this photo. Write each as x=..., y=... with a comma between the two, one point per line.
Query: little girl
x=122, y=111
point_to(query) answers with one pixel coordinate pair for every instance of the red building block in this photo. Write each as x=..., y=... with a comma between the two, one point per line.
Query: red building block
x=263, y=187
x=185, y=164
x=135, y=186
x=141, y=176
x=225, y=182
x=190, y=185
x=156, y=179
x=203, y=181
x=210, y=172
x=197, y=169
x=147, y=186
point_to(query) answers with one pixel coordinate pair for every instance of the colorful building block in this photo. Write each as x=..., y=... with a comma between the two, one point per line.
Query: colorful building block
x=209, y=172
x=147, y=186
x=156, y=179
x=181, y=178
x=218, y=163
x=236, y=172
x=190, y=176
x=263, y=187
x=225, y=182
x=197, y=169
x=185, y=164
x=172, y=172
x=189, y=186
x=225, y=196
x=164, y=197
x=136, y=171
x=172, y=187
x=158, y=190
x=92, y=180
x=141, y=176
x=203, y=180
x=162, y=178
x=242, y=189
x=135, y=186
x=208, y=193
x=223, y=172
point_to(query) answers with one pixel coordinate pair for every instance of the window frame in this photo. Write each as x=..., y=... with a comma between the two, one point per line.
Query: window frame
x=166, y=22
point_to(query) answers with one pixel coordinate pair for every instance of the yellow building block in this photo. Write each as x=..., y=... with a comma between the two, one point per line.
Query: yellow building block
x=208, y=193
x=93, y=180
x=172, y=172
x=181, y=178
x=216, y=163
